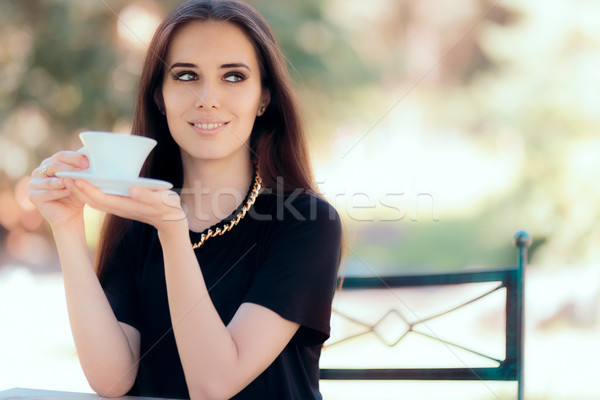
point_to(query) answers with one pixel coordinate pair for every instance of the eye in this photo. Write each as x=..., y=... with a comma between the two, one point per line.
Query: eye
x=185, y=76
x=235, y=77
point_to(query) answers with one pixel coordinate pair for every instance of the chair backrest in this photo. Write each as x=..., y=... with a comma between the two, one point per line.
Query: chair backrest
x=508, y=369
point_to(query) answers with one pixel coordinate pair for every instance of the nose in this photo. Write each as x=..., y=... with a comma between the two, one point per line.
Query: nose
x=207, y=97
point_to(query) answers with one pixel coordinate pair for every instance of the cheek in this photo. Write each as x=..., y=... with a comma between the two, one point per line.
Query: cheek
x=175, y=99
x=247, y=102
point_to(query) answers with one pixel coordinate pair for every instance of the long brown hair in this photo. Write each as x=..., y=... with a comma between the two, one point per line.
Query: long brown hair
x=277, y=141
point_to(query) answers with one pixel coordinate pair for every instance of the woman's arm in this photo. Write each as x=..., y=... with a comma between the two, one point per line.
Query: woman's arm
x=218, y=360
x=108, y=350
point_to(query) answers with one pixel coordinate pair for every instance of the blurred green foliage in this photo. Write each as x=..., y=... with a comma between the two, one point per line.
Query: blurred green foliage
x=69, y=56
x=498, y=97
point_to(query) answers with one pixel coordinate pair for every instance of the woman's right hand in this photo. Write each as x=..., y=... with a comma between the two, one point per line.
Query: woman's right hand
x=52, y=195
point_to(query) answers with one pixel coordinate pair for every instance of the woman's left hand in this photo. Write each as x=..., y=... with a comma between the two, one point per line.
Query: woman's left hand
x=159, y=208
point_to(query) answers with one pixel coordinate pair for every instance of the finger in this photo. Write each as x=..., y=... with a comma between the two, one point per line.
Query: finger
x=147, y=196
x=80, y=191
x=61, y=161
x=41, y=171
x=72, y=158
x=38, y=197
x=155, y=197
x=140, y=194
x=50, y=183
x=118, y=205
x=40, y=190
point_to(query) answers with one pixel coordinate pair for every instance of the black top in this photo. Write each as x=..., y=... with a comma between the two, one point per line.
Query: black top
x=283, y=255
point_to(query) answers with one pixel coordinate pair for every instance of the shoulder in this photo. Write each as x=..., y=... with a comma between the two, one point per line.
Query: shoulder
x=301, y=219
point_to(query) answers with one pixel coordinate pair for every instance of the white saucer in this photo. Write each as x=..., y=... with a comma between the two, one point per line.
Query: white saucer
x=116, y=186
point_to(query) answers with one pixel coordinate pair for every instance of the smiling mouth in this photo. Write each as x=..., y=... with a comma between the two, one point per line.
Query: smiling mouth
x=208, y=127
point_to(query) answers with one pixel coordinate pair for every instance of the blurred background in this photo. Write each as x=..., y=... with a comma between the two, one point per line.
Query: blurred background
x=438, y=129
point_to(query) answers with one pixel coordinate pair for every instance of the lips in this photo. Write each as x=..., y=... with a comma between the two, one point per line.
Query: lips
x=208, y=128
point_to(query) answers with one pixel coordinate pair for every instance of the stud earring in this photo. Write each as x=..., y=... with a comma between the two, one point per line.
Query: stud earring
x=261, y=110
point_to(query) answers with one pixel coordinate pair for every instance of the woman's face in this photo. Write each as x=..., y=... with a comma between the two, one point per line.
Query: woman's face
x=211, y=91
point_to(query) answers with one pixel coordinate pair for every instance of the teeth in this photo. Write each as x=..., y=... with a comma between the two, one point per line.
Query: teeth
x=209, y=126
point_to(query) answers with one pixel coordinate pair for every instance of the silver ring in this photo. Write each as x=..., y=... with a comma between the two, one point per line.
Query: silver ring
x=44, y=171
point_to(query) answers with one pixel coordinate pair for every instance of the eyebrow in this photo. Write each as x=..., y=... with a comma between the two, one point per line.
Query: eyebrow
x=235, y=65
x=224, y=66
x=185, y=65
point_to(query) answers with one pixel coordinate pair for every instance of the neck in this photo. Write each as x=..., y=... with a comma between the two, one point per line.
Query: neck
x=213, y=189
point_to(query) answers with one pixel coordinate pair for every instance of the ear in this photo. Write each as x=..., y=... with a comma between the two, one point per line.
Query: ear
x=158, y=100
x=265, y=99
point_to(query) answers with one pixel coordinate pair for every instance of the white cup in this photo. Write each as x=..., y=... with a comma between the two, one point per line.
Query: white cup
x=115, y=155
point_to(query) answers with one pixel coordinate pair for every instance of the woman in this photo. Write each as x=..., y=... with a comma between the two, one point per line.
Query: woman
x=183, y=302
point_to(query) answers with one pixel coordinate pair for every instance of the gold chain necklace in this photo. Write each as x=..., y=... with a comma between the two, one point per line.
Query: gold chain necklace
x=229, y=226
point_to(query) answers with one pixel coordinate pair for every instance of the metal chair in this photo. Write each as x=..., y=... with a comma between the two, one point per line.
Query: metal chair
x=508, y=369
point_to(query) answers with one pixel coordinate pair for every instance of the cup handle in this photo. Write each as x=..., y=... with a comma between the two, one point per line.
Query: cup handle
x=86, y=153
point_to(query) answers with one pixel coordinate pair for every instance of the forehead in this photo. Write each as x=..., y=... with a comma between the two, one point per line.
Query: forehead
x=211, y=42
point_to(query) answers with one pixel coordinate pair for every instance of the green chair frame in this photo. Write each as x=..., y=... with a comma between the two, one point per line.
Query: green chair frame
x=508, y=369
